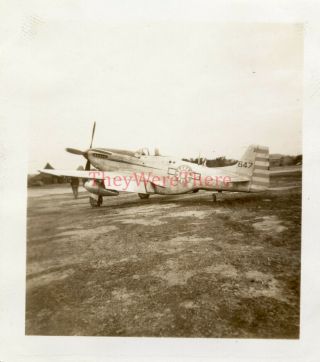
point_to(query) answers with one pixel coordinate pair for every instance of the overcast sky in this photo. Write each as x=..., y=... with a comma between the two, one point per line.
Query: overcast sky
x=182, y=87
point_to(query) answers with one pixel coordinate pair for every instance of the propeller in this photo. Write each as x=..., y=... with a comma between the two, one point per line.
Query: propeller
x=88, y=164
x=93, y=131
x=75, y=151
x=84, y=153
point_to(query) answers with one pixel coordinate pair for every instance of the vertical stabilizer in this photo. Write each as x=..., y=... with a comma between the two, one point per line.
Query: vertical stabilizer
x=255, y=165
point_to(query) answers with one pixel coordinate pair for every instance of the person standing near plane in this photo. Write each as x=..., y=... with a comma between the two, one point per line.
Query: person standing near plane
x=74, y=185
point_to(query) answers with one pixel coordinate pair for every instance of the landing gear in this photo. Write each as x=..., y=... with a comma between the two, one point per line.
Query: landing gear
x=215, y=196
x=96, y=202
x=144, y=196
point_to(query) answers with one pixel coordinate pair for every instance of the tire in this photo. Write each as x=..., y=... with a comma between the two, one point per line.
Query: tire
x=94, y=202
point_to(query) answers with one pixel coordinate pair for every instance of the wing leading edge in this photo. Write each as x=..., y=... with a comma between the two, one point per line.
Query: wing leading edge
x=137, y=182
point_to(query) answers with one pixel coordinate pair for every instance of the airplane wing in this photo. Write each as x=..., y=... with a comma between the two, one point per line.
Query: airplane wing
x=92, y=174
x=123, y=182
x=137, y=182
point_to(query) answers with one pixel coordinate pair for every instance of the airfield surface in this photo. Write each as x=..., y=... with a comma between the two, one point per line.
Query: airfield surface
x=169, y=266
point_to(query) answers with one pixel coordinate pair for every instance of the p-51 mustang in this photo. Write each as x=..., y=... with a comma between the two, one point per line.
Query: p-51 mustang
x=145, y=174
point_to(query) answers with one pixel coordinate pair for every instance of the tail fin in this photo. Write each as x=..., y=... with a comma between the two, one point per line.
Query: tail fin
x=255, y=165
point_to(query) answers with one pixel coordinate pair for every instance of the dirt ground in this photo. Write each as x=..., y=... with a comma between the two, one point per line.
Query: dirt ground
x=169, y=266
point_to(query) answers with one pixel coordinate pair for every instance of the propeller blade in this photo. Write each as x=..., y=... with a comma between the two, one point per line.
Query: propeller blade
x=93, y=131
x=75, y=151
x=87, y=168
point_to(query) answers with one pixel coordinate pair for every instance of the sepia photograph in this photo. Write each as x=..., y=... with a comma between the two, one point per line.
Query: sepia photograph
x=164, y=179
x=159, y=181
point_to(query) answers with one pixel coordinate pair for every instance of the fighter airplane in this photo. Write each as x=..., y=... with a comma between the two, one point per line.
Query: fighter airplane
x=118, y=170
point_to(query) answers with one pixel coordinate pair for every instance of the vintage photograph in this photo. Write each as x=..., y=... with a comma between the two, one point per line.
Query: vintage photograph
x=164, y=179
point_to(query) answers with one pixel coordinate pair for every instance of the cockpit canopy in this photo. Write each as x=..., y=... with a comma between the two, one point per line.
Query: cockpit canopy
x=145, y=152
x=142, y=152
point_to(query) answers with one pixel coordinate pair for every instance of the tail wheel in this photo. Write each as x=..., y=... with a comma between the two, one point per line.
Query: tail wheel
x=144, y=196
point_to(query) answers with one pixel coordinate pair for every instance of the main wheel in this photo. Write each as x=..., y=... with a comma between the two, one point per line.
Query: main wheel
x=144, y=196
x=214, y=197
x=94, y=202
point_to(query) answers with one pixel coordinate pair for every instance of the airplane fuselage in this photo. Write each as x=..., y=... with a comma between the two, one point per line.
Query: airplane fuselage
x=142, y=173
x=183, y=176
